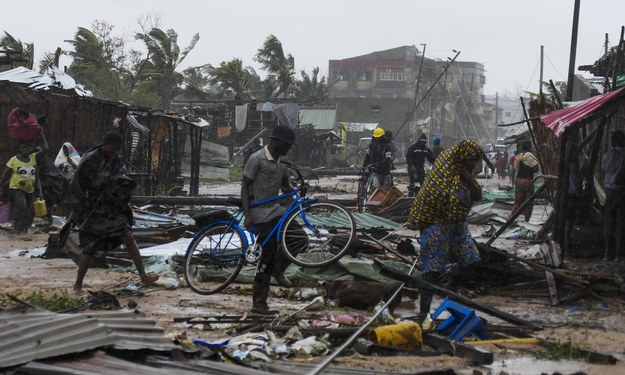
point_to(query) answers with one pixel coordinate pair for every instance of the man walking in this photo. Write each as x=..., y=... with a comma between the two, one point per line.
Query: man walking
x=525, y=165
x=415, y=159
x=380, y=157
x=99, y=195
x=264, y=177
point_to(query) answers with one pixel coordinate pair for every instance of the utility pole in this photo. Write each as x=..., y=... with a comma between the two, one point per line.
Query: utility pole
x=416, y=91
x=569, y=84
x=496, y=115
x=606, y=79
x=540, y=83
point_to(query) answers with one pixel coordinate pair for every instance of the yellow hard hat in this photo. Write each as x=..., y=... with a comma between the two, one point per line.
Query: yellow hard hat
x=378, y=132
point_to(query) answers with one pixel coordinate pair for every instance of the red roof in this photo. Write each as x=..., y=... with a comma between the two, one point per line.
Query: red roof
x=559, y=120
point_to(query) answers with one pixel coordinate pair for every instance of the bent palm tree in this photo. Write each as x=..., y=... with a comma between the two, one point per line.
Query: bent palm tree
x=21, y=53
x=234, y=79
x=311, y=89
x=280, y=68
x=164, y=57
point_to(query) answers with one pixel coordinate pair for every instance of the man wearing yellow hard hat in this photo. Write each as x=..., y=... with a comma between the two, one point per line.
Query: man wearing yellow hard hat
x=379, y=159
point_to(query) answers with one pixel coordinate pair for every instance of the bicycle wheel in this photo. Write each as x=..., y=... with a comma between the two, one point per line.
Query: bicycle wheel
x=214, y=258
x=318, y=235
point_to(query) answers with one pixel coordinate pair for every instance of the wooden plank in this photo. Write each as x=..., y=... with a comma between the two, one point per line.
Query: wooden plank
x=414, y=281
x=458, y=349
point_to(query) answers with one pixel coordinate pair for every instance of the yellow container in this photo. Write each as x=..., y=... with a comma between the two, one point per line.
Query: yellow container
x=402, y=335
x=40, y=208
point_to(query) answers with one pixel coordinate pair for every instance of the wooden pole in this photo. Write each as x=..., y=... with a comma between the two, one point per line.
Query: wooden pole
x=569, y=84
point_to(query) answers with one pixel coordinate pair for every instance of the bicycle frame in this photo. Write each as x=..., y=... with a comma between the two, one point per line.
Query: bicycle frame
x=363, y=191
x=297, y=204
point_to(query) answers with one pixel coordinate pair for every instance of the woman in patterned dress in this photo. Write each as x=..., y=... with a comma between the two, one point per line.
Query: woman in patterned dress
x=440, y=212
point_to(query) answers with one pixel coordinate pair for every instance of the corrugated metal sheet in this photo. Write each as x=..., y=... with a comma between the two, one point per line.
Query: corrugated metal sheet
x=320, y=118
x=100, y=363
x=54, y=78
x=559, y=120
x=359, y=126
x=366, y=220
x=28, y=334
x=214, y=160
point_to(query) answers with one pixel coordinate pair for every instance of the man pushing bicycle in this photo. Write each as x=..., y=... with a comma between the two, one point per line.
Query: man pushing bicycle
x=264, y=177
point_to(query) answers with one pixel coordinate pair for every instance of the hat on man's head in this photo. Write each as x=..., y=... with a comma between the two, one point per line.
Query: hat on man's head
x=378, y=132
x=283, y=133
x=113, y=138
x=437, y=140
x=422, y=137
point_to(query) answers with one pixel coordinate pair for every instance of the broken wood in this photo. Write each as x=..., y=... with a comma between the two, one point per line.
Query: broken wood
x=589, y=356
x=403, y=258
x=418, y=282
x=458, y=349
x=488, y=248
x=516, y=214
x=366, y=347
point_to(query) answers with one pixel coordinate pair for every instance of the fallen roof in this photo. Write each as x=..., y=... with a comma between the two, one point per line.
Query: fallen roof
x=586, y=110
x=54, y=77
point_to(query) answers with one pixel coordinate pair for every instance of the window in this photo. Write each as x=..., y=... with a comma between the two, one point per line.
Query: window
x=388, y=74
x=508, y=114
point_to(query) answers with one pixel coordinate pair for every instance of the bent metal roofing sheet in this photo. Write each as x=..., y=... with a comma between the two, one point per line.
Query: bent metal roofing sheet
x=28, y=334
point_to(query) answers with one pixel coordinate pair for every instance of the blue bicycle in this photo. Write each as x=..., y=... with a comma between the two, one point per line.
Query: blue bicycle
x=311, y=233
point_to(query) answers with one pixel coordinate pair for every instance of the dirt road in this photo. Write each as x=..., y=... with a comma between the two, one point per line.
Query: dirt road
x=594, y=325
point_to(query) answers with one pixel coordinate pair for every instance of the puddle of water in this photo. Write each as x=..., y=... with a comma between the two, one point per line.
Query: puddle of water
x=27, y=252
x=531, y=366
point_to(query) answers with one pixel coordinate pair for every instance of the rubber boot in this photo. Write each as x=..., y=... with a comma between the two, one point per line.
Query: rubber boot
x=281, y=263
x=260, y=292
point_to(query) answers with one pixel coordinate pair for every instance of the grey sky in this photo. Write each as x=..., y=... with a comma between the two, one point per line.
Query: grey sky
x=504, y=35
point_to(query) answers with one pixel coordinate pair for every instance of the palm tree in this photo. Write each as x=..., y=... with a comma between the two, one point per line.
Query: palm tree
x=96, y=60
x=197, y=85
x=22, y=53
x=46, y=61
x=311, y=90
x=164, y=57
x=280, y=68
x=233, y=79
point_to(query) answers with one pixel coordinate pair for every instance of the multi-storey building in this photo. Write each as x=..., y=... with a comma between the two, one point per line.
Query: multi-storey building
x=381, y=87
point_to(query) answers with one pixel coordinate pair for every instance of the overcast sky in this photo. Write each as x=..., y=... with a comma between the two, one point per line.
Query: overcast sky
x=504, y=35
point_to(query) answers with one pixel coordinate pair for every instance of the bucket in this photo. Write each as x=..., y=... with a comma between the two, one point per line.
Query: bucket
x=5, y=212
x=40, y=208
x=402, y=335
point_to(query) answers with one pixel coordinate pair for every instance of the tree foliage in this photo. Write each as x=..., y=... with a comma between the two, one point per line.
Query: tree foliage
x=98, y=59
x=312, y=89
x=164, y=57
x=234, y=80
x=18, y=50
x=280, y=68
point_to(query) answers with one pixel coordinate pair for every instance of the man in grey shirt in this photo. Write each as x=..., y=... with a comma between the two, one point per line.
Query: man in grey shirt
x=263, y=177
x=614, y=182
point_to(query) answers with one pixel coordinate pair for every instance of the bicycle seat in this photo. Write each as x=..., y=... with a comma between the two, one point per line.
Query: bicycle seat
x=208, y=217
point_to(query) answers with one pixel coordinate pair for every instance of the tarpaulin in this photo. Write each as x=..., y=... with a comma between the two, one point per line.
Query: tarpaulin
x=559, y=120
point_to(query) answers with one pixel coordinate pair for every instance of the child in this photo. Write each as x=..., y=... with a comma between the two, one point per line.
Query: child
x=21, y=173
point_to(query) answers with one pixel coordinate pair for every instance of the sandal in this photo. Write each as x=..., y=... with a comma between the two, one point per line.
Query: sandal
x=149, y=279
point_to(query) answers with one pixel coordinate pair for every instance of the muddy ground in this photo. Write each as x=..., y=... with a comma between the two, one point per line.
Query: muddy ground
x=593, y=324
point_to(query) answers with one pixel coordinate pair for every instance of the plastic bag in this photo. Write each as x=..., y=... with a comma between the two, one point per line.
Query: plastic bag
x=53, y=183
